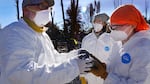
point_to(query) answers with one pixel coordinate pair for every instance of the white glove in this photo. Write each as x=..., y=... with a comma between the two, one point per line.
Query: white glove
x=84, y=65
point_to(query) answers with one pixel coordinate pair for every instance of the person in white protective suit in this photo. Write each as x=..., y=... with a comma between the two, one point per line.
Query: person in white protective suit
x=27, y=55
x=99, y=43
x=129, y=63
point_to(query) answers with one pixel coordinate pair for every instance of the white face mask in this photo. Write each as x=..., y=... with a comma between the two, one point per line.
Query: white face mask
x=42, y=17
x=97, y=27
x=118, y=35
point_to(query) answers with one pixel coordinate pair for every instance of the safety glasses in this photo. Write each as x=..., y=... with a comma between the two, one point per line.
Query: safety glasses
x=44, y=5
x=41, y=6
x=116, y=27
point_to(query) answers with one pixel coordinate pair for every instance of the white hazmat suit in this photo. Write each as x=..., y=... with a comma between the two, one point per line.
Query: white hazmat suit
x=130, y=63
x=21, y=65
x=101, y=48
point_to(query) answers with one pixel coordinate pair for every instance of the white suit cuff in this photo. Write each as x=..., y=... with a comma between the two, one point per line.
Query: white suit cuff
x=111, y=79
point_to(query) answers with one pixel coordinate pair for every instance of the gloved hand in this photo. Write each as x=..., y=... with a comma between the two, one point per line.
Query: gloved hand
x=99, y=68
x=84, y=65
x=84, y=62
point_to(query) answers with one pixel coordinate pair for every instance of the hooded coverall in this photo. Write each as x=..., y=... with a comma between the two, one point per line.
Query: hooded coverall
x=100, y=47
x=130, y=63
x=28, y=57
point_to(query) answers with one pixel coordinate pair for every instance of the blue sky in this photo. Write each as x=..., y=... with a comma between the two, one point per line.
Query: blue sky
x=8, y=9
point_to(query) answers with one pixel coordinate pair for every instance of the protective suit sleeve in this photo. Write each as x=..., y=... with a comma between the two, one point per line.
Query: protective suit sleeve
x=65, y=56
x=138, y=72
x=21, y=65
x=83, y=44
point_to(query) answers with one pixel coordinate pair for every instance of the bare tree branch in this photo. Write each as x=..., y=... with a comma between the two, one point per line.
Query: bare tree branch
x=17, y=8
